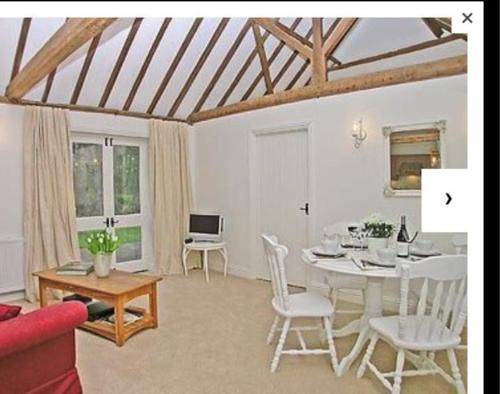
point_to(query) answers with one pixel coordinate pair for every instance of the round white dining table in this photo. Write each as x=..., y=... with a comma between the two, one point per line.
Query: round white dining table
x=372, y=301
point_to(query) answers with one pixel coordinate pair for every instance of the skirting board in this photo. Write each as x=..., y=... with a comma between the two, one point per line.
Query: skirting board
x=13, y=296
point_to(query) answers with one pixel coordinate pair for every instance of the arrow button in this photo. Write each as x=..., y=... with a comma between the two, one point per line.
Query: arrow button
x=448, y=199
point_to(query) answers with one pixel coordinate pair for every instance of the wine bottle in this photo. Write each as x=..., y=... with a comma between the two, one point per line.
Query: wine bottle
x=403, y=240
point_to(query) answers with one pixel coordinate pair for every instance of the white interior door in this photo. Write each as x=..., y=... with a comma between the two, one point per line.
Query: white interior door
x=282, y=194
x=110, y=182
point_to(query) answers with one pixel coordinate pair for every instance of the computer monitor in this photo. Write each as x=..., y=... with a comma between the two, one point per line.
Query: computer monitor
x=205, y=226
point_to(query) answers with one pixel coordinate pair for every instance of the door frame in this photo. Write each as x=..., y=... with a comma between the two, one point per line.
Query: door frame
x=255, y=241
x=146, y=222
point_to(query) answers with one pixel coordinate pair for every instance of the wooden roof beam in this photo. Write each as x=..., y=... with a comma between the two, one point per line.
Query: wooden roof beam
x=398, y=52
x=197, y=68
x=274, y=55
x=418, y=72
x=276, y=30
x=66, y=40
x=433, y=26
x=21, y=43
x=146, y=63
x=338, y=34
x=173, y=66
x=120, y=60
x=85, y=69
x=318, y=62
x=259, y=44
x=222, y=66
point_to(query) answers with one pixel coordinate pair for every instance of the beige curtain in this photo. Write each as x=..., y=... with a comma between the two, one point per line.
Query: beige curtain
x=50, y=237
x=171, y=192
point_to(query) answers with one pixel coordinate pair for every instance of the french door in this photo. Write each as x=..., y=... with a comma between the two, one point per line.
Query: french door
x=110, y=183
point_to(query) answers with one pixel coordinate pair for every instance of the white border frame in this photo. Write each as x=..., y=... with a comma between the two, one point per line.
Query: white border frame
x=252, y=149
x=387, y=131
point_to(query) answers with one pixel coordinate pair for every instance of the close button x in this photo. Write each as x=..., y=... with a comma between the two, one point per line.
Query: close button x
x=467, y=17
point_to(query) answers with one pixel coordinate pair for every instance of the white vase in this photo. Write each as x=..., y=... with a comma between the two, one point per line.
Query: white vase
x=102, y=265
x=376, y=243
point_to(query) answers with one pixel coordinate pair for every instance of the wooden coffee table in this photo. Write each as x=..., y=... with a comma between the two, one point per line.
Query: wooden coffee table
x=116, y=290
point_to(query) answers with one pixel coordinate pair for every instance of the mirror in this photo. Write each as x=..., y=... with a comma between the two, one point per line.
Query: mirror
x=409, y=150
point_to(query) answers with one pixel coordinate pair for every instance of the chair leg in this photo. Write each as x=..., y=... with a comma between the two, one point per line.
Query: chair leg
x=455, y=371
x=331, y=345
x=368, y=355
x=396, y=388
x=279, y=346
x=270, y=336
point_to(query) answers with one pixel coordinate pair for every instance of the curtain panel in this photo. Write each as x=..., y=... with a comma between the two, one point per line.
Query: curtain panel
x=170, y=188
x=50, y=235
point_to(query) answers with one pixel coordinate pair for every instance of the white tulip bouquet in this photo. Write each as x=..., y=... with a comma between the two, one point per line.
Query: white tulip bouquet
x=102, y=242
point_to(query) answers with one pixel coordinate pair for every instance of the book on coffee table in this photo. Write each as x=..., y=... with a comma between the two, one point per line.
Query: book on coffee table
x=75, y=268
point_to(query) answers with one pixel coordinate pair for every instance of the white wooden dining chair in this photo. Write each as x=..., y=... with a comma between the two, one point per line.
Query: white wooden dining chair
x=337, y=282
x=460, y=243
x=416, y=337
x=289, y=306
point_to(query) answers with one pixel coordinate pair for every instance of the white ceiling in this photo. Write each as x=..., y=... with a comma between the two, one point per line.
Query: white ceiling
x=370, y=36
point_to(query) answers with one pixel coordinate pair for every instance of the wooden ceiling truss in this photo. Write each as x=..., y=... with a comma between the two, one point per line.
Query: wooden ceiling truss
x=316, y=49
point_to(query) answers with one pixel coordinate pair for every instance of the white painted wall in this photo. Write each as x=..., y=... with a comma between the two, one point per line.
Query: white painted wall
x=347, y=182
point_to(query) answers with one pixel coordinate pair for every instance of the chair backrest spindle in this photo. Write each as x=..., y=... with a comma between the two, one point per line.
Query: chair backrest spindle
x=276, y=255
x=449, y=303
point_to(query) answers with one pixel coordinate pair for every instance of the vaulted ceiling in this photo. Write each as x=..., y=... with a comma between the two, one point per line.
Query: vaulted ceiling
x=176, y=67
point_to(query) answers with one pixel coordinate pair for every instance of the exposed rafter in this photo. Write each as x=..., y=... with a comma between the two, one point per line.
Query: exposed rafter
x=433, y=26
x=399, y=52
x=119, y=62
x=222, y=66
x=418, y=72
x=66, y=40
x=197, y=68
x=85, y=69
x=337, y=36
x=259, y=44
x=147, y=62
x=48, y=85
x=292, y=41
x=273, y=56
x=242, y=72
x=21, y=43
x=171, y=70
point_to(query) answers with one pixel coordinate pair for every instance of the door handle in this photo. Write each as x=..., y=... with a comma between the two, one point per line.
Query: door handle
x=305, y=208
x=106, y=222
x=113, y=222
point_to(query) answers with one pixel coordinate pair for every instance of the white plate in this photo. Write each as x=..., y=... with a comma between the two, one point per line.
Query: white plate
x=318, y=251
x=417, y=252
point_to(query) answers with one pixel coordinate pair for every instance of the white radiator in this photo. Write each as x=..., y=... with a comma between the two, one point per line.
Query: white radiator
x=11, y=265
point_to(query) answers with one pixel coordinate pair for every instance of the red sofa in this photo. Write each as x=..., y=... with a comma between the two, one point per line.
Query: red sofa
x=37, y=351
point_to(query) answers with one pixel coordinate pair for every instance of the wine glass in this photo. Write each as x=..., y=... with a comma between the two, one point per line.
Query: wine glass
x=364, y=233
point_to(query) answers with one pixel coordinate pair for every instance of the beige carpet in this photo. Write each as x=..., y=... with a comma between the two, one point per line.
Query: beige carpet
x=211, y=339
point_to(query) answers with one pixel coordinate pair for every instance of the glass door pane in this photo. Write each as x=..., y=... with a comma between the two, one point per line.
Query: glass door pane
x=88, y=179
x=126, y=172
x=128, y=202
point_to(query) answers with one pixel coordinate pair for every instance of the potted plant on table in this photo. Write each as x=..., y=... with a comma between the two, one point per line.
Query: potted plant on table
x=380, y=232
x=101, y=245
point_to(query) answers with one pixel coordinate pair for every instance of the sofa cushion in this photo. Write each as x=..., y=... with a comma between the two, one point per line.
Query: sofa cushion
x=9, y=311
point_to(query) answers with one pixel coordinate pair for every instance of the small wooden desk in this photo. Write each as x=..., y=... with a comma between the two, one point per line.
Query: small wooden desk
x=117, y=289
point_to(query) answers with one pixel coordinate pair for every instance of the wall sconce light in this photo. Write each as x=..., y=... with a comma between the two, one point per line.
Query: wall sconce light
x=358, y=133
